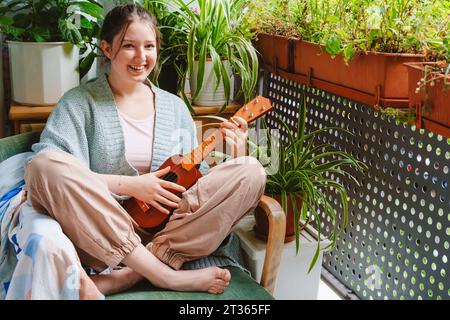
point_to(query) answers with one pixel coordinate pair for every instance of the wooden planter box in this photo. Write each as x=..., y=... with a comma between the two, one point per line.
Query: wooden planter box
x=274, y=51
x=436, y=114
x=382, y=76
x=378, y=79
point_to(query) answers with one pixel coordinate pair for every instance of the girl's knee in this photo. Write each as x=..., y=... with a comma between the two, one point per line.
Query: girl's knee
x=45, y=161
x=254, y=171
x=48, y=166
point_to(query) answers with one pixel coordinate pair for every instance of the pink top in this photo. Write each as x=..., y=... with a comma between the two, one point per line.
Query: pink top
x=138, y=135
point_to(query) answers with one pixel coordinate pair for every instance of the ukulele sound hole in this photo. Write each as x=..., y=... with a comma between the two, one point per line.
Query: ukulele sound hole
x=171, y=176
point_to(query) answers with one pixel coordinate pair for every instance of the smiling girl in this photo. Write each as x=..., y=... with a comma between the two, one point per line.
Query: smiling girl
x=104, y=143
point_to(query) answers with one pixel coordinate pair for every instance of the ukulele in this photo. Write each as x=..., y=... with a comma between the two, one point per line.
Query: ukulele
x=184, y=169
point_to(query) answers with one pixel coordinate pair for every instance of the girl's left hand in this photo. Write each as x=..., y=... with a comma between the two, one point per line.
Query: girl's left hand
x=235, y=137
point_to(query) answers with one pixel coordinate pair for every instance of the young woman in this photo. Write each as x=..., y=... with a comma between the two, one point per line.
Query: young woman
x=105, y=141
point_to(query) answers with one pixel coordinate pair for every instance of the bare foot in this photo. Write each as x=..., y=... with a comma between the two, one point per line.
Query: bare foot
x=117, y=281
x=88, y=289
x=221, y=282
x=212, y=280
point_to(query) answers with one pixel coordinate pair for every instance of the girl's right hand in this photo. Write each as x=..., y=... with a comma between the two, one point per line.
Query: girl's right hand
x=152, y=190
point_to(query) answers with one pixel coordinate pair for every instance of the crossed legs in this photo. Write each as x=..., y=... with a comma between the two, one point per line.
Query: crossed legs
x=59, y=185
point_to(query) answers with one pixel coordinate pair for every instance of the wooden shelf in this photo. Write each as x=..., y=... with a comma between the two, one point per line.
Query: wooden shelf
x=21, y=114
x=203, y=110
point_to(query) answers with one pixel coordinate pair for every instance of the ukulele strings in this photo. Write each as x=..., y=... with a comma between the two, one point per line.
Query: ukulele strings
x=177, y=170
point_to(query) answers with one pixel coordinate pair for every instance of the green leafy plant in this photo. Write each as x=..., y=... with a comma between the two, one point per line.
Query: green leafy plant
x=432, y=72
x=349, y=27
x=53, y=20
x=402, y=115
x=306, y=167
x=172, y=52
x=214, y=31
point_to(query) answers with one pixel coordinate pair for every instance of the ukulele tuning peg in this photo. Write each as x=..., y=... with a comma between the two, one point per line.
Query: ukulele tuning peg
x=250, y=115
x=245, y=108
x=256, y=101
x=263, y=108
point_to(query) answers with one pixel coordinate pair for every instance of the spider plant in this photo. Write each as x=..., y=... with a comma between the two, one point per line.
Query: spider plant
x=213, y=32
x=305, y=168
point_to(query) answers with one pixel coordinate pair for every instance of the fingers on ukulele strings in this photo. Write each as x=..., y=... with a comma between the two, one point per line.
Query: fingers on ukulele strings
x=172, y=186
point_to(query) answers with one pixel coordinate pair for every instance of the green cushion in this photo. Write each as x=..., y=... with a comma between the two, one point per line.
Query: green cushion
x=242, y=287
x=10, y=146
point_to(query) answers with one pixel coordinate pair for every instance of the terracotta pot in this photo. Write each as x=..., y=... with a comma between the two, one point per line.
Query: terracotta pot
x=262, y=224
x=378, y=79
x=382, y=75
x=436, y=117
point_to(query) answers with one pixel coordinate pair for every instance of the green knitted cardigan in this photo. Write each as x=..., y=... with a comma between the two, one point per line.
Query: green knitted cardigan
x=85, y=124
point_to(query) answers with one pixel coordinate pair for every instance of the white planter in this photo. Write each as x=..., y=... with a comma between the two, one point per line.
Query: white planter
x=93, y=71
x=41, y=72
x=293, y=282
x=208, y=96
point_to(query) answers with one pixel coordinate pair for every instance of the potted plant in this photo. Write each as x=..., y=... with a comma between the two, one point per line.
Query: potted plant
x=355, y=48
x=44, y=40
x=171, y=56
x=302, y=181
x=275, y=32
x=215, y=47
x=429, y=95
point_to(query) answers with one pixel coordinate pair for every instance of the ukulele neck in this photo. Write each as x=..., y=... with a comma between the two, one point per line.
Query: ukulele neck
x=249, y=112
x=197, y=155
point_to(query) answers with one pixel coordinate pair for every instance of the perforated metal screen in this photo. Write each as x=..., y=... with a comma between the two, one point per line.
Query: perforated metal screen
x=396, y=244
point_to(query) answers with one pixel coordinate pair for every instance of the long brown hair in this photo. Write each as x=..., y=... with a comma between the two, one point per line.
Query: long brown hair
x=119, y=19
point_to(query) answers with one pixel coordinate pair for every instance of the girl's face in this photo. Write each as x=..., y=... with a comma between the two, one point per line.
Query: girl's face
x=135, y=58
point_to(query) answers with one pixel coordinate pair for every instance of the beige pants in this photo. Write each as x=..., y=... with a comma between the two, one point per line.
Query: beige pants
x=103, y=232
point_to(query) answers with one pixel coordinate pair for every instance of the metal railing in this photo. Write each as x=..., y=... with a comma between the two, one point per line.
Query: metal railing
x=396, y=243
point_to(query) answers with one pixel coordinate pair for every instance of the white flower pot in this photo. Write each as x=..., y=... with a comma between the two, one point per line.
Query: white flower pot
x=293, y=281
x=208, y=95
x=41, y=72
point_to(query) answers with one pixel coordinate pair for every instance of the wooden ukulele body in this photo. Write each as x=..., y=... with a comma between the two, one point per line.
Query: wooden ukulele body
x=148, y=217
